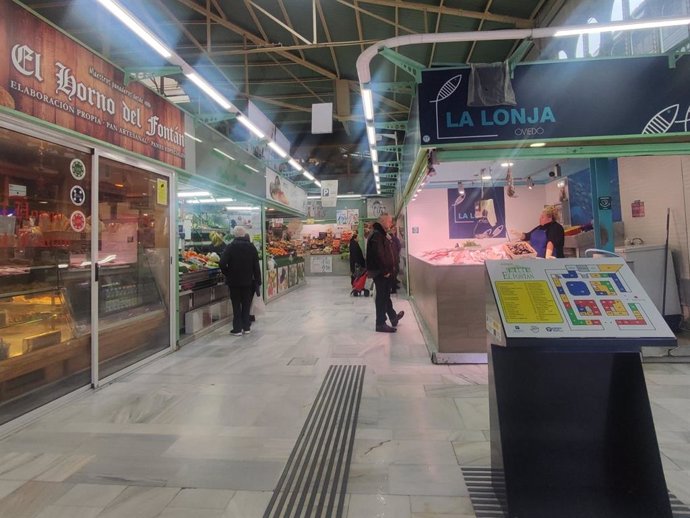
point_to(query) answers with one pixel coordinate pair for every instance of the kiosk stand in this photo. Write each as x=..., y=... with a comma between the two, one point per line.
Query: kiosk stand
x=572, y=433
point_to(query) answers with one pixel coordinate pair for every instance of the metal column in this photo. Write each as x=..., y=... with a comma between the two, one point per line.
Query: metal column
x=601, y=203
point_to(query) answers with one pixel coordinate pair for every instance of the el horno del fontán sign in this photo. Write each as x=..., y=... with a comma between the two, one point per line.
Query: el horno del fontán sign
x=47, y=75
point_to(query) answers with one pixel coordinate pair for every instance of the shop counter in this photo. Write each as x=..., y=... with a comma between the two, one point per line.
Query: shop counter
x=204, y=303
x=449, y=300
x=318, y=264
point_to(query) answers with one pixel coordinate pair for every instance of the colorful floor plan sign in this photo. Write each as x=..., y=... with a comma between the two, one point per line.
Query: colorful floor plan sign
x=573, y=298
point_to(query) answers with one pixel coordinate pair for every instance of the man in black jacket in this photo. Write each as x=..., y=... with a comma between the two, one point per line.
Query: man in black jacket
x=381, y=267
x=240, y=265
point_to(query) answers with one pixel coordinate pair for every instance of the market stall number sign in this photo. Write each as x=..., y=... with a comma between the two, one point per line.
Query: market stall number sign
x=604, y=202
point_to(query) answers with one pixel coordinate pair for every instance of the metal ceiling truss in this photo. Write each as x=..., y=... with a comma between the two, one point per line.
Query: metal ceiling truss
x=140, y=73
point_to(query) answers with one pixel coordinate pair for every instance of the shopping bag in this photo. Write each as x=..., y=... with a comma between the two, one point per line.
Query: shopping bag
x=258, y=306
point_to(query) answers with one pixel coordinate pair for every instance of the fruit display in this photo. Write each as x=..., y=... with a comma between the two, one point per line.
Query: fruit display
x=191, y=261
x=281, y=248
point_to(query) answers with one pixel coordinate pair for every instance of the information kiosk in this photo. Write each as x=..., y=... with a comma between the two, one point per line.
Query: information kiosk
x=572, y=433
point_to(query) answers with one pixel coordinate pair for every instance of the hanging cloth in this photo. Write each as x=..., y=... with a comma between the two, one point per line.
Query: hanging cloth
x=490, y=85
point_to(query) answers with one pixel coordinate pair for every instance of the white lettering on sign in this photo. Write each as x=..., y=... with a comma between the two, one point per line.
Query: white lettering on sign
x=165, y=132
x=26, y=61
x=68, y=85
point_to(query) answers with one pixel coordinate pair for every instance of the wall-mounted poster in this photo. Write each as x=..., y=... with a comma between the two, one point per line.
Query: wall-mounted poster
x=378, y=206
x=479, y=213
x=272, y=283
x=282, y=279
x=292, y=275
x=315, y=209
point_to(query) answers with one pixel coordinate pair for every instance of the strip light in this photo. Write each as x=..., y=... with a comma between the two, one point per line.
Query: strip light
x=374, y=155
x=223, y=153
x=242, y=208
x=371, y=134
x=317, y=183
x=209, y=90
x=368, y=104
x=294, y=164
x=136, y=27
x=250, y=126
x=308, y=175
x=250, y=167
x=193, y=137
x=632, y=26
x=275, y=147
x=193, y=194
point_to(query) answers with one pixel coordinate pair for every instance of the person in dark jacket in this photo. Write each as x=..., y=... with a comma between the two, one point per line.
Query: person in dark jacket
x=381, y=267
x=548, y=237
x=397, y=247
x=240, y=265
x=356, y=257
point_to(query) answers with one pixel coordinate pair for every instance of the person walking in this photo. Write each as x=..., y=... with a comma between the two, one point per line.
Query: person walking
x=380, y=261
x=240, y=265
x=356, y=257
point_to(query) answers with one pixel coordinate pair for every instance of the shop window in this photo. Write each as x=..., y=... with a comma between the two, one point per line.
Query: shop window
x=45, y=224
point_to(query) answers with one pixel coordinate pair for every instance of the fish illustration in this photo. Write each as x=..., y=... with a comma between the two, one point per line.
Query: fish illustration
x=459, y=199
x=448, y=88
x=687, y=120
x=663, y=120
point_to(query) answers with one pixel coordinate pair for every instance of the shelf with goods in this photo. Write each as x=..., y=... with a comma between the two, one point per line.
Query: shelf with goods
x=285, y=269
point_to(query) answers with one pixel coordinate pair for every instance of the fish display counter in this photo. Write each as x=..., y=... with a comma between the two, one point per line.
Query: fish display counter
x=447, y=288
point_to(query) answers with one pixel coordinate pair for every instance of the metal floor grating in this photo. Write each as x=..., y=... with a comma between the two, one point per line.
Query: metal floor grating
x=486, y=501
x=314, y=481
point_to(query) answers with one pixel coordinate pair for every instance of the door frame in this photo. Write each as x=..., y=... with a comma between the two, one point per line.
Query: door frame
x=172, y=276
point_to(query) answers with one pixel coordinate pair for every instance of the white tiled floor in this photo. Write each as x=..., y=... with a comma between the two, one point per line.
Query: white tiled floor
x=206, y=432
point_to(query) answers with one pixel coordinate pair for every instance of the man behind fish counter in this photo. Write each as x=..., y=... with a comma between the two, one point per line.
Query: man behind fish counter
x=548, y=237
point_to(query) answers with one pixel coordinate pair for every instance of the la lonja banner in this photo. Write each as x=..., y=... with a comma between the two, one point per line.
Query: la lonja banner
x=587, y=98
x=47, y=75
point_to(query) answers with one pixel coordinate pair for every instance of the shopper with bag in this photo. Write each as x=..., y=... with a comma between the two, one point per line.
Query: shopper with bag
x=240, y=265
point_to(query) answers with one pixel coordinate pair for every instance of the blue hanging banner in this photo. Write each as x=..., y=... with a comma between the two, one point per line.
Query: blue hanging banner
x=594, y=98
x=476, y=213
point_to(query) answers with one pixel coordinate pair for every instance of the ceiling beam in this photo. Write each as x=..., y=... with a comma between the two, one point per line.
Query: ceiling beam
x=285, y=48
x=376, y=16
x=256, y=39
x=521, y=23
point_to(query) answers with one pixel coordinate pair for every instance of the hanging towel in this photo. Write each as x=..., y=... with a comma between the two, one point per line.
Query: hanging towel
x=490, y=85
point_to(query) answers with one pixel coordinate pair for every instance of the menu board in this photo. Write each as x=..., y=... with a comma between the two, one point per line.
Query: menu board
x=573, y=298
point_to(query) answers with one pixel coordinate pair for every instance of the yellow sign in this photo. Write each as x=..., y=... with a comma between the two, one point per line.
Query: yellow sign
x=528, y=302
x=162, y=192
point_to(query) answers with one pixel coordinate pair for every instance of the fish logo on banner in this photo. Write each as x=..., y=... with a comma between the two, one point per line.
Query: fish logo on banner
x=329, y=193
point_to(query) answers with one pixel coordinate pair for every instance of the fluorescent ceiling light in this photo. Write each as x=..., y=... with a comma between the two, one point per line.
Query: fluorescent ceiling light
x=317, y=183
x=223, y=153
x=250, y=126
x=368, y=104
x=275, y=147
x=375, y=167
x=243, y=208
x=631, y=26
x=349, y=195
x=294, y=164
x=193, y=194
x=210, y=91
x=193, y=137
x=308, y=175
x=224, y=200
x=507, y=164
x=374, y=155
x=250, y=167
x=313, y=197
x=207, y=200
x=371, y=135
x=486, y=177
x=136, y=27
x=538, y=144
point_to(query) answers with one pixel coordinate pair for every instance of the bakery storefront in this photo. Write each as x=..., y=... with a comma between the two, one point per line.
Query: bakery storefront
x=87, y=171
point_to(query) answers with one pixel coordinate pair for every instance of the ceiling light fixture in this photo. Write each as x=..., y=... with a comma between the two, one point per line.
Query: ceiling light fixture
x=223, y=153
x=136, y=27
x=461, y=189
x=193, y=194
x=368, y=104
x=530, y=182
x=279, y=150
x=308, y=175
x=624, y=26
x=371, y=135
x=317, y=183
x=486, y=177
x=537, y=144
x=242, y=119
x=507, y=164
x=374, y=155
x=251, y=168
x=193, y=137
x=295, y=164
x=209, y=90
x=243, y=208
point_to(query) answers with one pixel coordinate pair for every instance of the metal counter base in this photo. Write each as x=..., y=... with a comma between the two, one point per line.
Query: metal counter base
x=572, y=435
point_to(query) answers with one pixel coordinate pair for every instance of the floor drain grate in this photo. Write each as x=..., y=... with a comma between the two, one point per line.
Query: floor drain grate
x=486, y=501
x=314, y=481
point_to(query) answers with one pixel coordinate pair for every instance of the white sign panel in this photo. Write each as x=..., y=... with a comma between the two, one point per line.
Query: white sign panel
x=573, y=298
x=329, y=193
x=378, y=206
x=285, y=192
x=321, y=264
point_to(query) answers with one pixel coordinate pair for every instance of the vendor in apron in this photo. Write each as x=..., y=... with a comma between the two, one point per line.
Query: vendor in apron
x=547, y=238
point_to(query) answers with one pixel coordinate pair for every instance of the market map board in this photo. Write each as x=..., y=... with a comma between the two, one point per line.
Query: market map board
x=573, y=298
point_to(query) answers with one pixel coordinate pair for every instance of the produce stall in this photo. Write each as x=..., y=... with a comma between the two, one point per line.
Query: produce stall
x=285, y=261
x=326, y=249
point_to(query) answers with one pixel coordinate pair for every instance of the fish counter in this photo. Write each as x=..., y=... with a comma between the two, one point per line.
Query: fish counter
x=449, y=301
